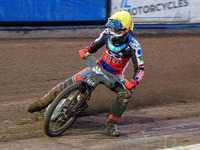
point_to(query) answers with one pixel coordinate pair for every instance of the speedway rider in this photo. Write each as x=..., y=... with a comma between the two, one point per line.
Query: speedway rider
x=120, y=48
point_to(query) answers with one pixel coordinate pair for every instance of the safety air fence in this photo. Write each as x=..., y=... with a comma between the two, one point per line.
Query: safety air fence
x=94, y=13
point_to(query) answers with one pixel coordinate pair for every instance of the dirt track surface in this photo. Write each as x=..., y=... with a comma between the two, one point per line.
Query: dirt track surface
x=165, y=111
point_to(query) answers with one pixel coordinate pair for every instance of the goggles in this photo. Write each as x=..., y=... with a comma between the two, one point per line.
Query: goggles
x=116, y=33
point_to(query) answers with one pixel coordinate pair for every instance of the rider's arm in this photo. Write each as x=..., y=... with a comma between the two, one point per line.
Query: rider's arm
x=98, y=43
x=136, y=56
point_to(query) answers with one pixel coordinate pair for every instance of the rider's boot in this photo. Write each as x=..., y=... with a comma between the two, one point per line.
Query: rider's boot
x=36, y=106
x=40, y=104
x=111, y=128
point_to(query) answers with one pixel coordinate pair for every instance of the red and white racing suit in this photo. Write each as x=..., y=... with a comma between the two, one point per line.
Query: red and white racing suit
x=116, y=63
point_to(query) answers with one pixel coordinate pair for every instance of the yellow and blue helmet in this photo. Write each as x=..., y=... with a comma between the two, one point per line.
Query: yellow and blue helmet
x=120, y=20
x=120, y=26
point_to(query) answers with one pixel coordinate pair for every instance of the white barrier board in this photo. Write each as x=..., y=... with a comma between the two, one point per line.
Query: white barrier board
x=189, y=147
x=160, y=11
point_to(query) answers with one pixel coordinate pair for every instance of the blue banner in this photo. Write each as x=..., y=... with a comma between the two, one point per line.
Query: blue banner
x=52, y=10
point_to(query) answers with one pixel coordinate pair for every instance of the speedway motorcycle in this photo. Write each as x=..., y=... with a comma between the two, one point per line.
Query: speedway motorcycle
x=67, y=106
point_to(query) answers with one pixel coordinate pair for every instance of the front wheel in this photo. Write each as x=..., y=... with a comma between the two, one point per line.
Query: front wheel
x=64, y=110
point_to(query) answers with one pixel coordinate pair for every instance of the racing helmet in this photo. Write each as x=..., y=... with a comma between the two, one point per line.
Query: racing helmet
x=120, y=26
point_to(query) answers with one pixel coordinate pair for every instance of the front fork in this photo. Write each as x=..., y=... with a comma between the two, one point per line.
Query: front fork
x=82, y=100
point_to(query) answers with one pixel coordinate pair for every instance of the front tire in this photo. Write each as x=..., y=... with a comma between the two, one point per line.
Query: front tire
x=61, y=115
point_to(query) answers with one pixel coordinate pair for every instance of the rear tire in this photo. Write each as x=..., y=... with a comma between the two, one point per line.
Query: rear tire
x=56, y=124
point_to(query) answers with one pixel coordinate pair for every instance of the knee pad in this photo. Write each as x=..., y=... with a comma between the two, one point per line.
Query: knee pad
x=125, y=96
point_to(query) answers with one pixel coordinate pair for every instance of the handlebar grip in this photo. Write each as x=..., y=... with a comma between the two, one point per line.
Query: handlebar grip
x=86, y=55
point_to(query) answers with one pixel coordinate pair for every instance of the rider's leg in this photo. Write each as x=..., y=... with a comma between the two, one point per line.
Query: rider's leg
x=40, y=104
x=117, y=109
x=120, y=104
x=49, y=97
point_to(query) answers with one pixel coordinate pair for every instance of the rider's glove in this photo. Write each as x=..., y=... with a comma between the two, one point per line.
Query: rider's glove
x=83, y=52
x=130, y=84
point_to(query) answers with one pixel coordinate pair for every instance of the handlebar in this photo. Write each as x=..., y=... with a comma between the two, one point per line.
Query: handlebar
x=91, y=62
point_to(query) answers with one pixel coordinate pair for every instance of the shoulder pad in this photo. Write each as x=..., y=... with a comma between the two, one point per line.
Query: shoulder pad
x=134, y=44
x=102, y=34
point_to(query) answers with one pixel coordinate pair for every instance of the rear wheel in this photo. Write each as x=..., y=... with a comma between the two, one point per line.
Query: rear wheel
x=64, y=110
